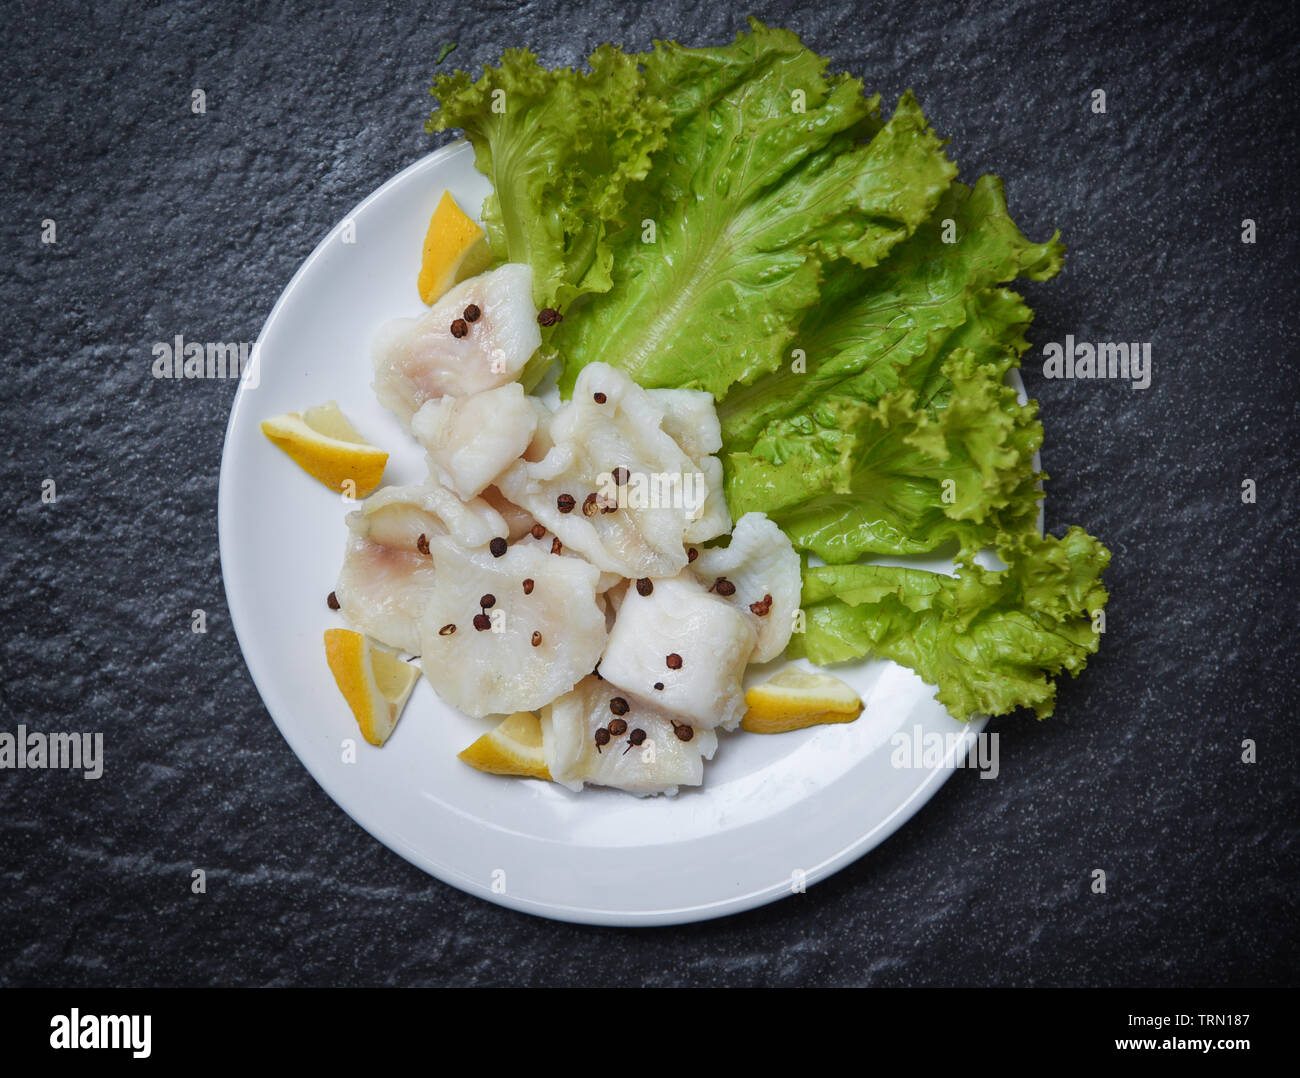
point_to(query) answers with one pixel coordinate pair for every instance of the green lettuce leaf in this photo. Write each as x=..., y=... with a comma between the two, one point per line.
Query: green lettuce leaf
x=991, y=641
x=902, y=319
x=771, y=169
x=851, y=478
x=560, y=147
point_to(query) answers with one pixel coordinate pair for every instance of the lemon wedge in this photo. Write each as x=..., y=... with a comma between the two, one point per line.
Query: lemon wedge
x=513, y=748
x=454, y=248
x=375, y=684
x=324, y=445
x=795, y=698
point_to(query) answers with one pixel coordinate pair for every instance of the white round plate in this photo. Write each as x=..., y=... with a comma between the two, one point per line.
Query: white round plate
x=775, y=813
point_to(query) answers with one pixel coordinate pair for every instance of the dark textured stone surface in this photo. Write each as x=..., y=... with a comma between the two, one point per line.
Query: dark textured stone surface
x=174, y=223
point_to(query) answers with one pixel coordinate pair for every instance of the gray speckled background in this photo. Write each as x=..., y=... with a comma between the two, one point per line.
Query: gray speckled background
x=174, y=223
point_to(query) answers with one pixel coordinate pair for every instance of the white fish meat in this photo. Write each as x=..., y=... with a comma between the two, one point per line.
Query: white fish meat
x=418, y=359
x=386, y=581
x=472, y=440
x=538, y=639
x=660, y=762
x=635, y=528
x=518, y=520
x=693, y=644
x=690, y=420
x=382, y=591
x=398, y=515
x=764, y=568
x=542, y=442
x=715, y=517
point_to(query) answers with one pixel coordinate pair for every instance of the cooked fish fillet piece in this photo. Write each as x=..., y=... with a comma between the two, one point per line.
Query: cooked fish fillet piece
x=611, y=597
x=518, y=520
x=472, y=440
x=611, y=423
x=763, y=566
x=715, y=517
x=382, y=591
x=542, y=442
x=386, y=580
x=399, y=515
x=419, y=359
x=545, y=540
x=690, y=420
x=660, y=763
x=537, y=641
x=694, y=644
